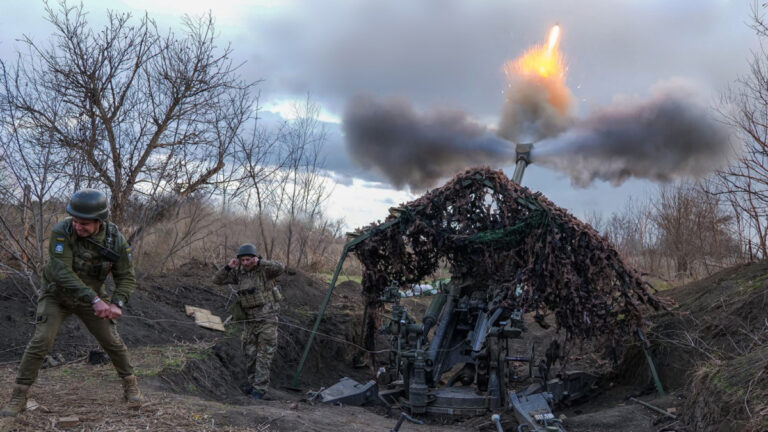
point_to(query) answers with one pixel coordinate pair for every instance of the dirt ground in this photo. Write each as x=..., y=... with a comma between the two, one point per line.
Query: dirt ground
x=191, y=376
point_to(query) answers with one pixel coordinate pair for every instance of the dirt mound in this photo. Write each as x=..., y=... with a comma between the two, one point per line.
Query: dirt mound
x=155, y=315
x=215, y=373
x=219, y=372
x=714, y=344
x=730, y=395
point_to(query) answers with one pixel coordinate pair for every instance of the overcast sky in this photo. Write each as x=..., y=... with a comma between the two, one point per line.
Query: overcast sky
x=449, y=54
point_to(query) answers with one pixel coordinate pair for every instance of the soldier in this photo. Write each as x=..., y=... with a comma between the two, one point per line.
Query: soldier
x=83, y=250
x=257, y=306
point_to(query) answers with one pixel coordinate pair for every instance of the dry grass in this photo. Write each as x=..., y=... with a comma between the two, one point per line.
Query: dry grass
x=94, y=395
x=732, y=390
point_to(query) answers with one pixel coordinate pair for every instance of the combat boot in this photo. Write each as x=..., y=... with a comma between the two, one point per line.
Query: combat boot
x=131, y=392
x=18, y=402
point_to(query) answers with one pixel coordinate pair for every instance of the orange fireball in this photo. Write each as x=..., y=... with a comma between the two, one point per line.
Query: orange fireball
x=538, y=103
x=545, y=61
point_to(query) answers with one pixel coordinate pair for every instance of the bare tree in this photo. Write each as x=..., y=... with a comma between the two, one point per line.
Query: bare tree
x=632, y=232
x=30, y=188
x=745, y=183
x=304, y=188
x=596, y=219
x=694, y=230
x=260, y=155
x=142, y=111
x=193, y=222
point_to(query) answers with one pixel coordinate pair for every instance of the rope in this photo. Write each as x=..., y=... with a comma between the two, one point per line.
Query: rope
x=286, y=323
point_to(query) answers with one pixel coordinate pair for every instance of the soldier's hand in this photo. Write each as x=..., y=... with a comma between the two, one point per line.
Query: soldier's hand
x=234, y=263
x=115, y=312
x=101, y=309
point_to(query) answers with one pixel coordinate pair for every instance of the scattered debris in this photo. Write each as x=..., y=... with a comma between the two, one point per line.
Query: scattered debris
x=32, y=405
x=405, y=416
x=53, y=361
x=313, y=395
x=654, y=408
x=69, y=421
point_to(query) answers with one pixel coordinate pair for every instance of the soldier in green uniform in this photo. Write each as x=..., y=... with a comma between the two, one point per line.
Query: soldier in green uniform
x=83, y=250
x=257, y=306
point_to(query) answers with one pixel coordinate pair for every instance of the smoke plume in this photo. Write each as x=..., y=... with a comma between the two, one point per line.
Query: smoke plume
x=418, y=149
x=535, y=107
x=669, y=136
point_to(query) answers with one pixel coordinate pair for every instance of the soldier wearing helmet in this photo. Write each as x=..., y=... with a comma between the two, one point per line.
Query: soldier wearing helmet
x=257, y=306
x=83, y=249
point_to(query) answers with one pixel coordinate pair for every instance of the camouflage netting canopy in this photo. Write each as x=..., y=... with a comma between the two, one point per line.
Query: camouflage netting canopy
x=526, y=252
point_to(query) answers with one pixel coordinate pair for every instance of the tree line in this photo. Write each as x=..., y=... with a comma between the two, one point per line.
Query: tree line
x=691, y=229
x=163, y=122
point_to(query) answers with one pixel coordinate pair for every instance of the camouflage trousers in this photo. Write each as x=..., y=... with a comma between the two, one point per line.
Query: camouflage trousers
x=52, y=310
x=259, y=346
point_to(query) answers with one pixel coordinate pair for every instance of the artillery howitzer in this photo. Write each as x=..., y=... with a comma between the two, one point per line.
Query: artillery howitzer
x=509, y=251
x=471, y=338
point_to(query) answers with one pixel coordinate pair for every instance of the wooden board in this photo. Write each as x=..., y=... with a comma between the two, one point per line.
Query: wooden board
x=204, y=318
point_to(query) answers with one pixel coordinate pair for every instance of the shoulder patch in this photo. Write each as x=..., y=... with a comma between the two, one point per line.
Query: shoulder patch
x=59, y=248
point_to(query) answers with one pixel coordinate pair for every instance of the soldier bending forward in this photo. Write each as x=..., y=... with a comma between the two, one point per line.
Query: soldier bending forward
x=83, y=250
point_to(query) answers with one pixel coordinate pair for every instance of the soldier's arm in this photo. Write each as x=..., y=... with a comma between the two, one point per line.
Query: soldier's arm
x=224, y=276
x=59, y=268
x=123, y=272
x=271, y=269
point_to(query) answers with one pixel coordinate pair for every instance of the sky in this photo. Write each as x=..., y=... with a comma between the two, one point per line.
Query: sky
x=449, y=55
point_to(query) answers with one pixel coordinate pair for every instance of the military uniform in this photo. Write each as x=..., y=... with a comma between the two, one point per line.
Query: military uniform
x=72, y=279
x=258, y=298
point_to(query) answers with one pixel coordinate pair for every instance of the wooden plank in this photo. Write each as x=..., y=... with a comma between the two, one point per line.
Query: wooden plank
x=204, y=318
x=192, y=310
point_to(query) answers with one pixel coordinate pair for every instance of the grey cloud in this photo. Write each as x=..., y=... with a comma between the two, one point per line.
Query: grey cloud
x=336, y=159
x=340, y=178
x=451, y=53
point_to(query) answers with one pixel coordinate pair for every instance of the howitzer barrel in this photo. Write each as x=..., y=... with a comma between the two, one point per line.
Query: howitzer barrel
x=433, y=312
x=523, y=152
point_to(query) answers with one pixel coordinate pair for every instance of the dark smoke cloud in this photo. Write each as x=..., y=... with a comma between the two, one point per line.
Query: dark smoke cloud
x=418, y=149
x=669, y=136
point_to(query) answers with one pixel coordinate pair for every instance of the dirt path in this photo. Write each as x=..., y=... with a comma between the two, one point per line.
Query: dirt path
x=93, y=394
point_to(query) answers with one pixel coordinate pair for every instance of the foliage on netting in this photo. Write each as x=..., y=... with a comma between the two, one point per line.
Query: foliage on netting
x=525, y=251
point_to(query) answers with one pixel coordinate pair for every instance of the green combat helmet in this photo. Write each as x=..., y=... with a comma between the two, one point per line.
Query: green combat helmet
x=247, y=249
x=88, y=204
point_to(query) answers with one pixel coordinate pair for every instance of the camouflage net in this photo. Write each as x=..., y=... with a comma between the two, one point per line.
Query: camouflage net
x=520, y=247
